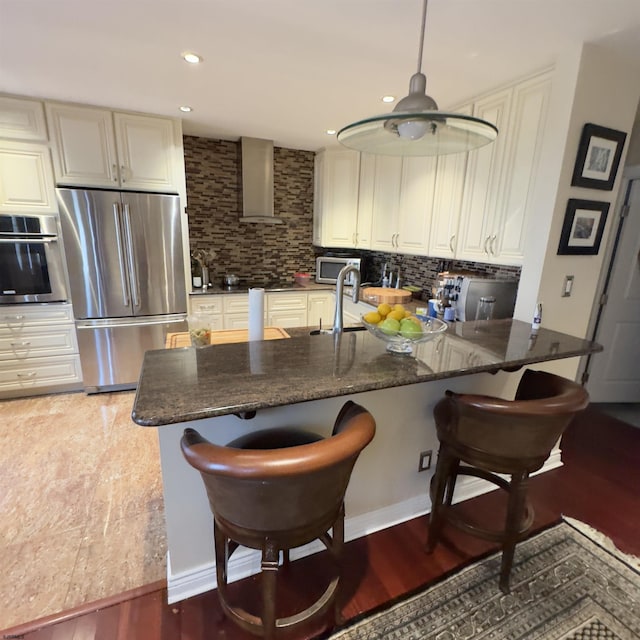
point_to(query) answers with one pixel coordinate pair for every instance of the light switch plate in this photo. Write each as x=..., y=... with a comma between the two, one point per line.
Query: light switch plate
x=567, y=286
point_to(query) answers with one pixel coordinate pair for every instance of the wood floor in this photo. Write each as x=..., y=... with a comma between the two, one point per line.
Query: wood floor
x=599, y=484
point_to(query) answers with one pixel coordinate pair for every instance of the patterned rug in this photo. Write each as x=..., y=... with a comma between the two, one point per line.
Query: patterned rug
x=567, y=583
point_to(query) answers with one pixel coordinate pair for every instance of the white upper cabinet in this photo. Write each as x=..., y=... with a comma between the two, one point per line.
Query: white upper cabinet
x=97, y=148
x=386, y=202
x=500, y=177
x=336, y=198
x=447, y=201
x=416, y=205
x=525, y=133
x=482, y=180
x=26, y=180
x=22, y=120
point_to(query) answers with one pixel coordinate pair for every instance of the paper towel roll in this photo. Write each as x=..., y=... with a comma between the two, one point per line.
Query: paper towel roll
x=256, y=314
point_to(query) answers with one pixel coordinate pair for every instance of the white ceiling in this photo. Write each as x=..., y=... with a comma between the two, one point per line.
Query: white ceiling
x=289, y=69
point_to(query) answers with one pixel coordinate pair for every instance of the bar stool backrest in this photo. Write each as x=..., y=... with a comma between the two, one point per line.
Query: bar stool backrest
x=511, y=434
x=292, y=492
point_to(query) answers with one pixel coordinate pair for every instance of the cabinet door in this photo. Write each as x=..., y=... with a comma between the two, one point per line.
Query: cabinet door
x=338, y=201
x=22, y=120
x=320, y=309
x=416, y=205
x=525, y=133
x=447, y=201
x=84, y=152
x=482, y=180
x=386, y=198
x=26, y=181
x=146, y=152
x=365, y=200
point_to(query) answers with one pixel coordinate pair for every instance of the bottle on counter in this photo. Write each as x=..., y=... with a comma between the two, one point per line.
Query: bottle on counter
x=537, y=317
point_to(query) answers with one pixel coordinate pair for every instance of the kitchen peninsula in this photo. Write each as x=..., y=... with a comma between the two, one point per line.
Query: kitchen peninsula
x=226, y=390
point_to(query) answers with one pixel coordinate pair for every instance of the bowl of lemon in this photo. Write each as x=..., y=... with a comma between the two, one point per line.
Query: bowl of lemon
x=401, y=329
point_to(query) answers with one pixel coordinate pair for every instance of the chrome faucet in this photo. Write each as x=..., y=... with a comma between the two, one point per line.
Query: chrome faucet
x=338, y=321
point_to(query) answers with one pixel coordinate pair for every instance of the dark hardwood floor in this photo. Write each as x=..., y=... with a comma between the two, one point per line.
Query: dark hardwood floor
x=599, y=484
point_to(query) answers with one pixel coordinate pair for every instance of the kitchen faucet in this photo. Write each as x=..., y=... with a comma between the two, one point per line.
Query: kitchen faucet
x=338, y=321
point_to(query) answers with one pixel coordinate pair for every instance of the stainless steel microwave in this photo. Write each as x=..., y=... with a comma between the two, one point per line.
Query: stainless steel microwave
x=328, y=268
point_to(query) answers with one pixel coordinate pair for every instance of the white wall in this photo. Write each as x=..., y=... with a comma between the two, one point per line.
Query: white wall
x=602, y=93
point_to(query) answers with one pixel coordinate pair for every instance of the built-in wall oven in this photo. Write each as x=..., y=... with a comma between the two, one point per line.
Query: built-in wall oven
x=31, y=263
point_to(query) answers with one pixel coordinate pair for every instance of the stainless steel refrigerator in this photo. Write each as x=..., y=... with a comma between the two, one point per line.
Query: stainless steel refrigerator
x=126, y=272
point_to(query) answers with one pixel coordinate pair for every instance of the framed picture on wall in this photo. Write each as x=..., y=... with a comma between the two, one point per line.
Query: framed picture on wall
x=583, y=227
x=598, y=157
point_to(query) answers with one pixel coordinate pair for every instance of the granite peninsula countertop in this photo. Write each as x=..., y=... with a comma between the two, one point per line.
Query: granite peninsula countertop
x=180, y=385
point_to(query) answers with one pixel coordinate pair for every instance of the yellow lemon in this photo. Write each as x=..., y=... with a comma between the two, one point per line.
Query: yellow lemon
x=398, y=307
x=383, y=309
x=373, y=317
x=396, y=314
x=407, y=314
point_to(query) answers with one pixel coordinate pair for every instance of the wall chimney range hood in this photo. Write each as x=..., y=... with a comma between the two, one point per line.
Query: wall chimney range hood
x=257, y=181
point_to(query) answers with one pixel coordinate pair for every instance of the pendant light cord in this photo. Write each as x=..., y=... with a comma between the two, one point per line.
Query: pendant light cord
x=424, y=22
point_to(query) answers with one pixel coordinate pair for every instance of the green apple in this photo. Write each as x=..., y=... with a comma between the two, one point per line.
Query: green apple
x=390, y=326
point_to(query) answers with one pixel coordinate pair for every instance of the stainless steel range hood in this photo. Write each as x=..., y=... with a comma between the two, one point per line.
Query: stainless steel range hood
x=257, y=181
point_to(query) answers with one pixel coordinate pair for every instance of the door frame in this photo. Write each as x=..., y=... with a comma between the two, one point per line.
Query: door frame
x=630, y=174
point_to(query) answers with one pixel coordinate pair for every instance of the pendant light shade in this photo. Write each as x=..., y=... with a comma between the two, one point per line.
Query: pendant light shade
x=415, y=127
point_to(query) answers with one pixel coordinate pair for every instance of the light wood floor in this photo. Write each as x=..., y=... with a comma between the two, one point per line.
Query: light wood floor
x=81, y=503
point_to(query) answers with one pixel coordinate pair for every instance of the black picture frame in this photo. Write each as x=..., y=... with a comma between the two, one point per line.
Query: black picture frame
x=598, y=157
x=583, y=227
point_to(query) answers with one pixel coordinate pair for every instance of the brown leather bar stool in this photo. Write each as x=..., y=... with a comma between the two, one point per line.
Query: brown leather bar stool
x=494, y=436
x=275, y=490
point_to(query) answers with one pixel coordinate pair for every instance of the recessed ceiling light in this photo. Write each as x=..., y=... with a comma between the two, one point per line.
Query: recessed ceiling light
x=191, y=58
x=388, y=98
x=330, y=132
x=186, y=108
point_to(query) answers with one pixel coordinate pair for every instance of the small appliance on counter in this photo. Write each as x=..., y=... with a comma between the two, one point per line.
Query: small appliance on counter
x=463, y=291
x=328, y=267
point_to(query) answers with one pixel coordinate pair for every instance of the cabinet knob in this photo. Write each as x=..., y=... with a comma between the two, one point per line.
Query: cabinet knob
x=122, y=173
x=25, y=376
x=114, y=172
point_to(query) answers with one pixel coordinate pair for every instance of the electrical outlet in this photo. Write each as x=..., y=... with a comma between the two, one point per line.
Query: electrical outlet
x=567, y=286
x=425, y=460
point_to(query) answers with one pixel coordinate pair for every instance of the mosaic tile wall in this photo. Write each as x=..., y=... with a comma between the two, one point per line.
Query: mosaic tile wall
x=252, y=251
x=262, y=252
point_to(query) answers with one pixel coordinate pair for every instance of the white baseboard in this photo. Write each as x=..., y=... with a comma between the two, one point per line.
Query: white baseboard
x=246, y=562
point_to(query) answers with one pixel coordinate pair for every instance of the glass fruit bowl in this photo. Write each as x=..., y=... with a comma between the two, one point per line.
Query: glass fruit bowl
x=403, y=340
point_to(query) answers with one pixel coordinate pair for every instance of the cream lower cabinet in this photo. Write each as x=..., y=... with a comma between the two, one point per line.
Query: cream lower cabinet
x=320, y=309
x=95, y=147
x=38, y=350
x=287, y=309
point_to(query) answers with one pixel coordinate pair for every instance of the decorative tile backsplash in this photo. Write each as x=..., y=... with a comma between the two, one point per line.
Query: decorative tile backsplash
x=253, y=251
x=264, y=252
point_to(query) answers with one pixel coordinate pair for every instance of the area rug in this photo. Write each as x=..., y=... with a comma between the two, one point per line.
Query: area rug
x=564, y=585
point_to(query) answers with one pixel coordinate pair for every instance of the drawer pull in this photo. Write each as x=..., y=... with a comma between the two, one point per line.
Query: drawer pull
x=24, y=343
x=24, y=376
x=12, y=318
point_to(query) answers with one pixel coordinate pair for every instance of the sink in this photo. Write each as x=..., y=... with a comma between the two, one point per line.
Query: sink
x=318, y=332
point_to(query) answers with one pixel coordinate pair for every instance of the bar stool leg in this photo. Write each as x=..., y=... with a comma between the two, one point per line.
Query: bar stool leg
x=439, y=483
x=337, y=549
x=269, y=567
x=515, y=515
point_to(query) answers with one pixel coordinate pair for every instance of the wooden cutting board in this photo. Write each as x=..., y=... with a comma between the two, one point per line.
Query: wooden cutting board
x=228, y=336
x=386, y=294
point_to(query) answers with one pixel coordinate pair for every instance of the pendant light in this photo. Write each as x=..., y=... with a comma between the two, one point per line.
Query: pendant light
x=415, y=127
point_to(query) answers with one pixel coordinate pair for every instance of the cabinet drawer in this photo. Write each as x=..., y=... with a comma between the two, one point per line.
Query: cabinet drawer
x=206, y=305
x=286, y=301
x=34, y=342
x=235, y=303
x=39, y=373
x=15, y=317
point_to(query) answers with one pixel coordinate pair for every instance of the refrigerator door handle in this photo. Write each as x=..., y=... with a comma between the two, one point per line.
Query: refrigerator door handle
x=135, y=285
x=121, y=261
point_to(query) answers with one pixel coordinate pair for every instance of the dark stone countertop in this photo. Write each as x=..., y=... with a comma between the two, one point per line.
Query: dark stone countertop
x=272, y=286
x=179, y=385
